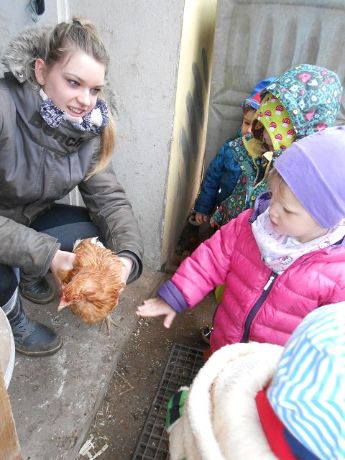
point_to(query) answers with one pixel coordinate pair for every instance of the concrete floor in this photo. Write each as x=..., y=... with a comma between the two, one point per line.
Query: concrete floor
x=121, y=416
x=54, y=399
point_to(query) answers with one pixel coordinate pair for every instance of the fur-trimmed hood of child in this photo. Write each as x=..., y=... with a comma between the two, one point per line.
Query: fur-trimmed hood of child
x=262, y=401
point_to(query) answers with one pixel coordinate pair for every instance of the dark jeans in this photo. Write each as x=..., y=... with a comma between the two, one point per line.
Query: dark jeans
x=67, y=224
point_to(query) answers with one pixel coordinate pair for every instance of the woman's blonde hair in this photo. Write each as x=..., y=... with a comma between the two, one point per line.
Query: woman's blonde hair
x=82, y=34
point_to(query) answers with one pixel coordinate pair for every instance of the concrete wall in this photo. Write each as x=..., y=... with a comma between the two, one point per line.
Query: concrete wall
x=17, y=15
x=161, y=59
x=158, y=123
x=144, y=41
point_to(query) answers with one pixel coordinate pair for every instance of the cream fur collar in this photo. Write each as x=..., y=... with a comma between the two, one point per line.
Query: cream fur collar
x=220, y=421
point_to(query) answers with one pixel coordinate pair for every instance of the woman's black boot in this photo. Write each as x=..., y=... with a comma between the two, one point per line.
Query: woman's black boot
x=37, y=290
x=30, y=337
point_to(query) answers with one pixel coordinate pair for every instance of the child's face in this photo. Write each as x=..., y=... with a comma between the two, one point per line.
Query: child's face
x=288, y=216
x=267, y=140
x=246, y=127
x=73, y=84
x=260, y=133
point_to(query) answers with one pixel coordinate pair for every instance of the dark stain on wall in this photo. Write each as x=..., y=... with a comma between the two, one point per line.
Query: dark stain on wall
x=190, y=134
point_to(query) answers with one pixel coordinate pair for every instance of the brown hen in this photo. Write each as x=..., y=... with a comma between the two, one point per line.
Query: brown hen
x=91, y=289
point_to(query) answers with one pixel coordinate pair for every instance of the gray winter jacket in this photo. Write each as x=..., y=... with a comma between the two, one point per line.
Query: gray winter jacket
x=39, y=165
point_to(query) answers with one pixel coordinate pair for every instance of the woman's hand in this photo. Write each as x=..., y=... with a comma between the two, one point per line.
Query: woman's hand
x=127, y=268
x=157, y=307
x=62, y=262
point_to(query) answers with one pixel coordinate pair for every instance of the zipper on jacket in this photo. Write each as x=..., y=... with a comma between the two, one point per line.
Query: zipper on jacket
x=256, y=307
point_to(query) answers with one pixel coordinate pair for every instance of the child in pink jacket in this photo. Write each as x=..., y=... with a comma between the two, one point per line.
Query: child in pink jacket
x=278, y=261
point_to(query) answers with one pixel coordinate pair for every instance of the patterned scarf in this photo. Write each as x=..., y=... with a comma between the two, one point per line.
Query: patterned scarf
x=93, y=121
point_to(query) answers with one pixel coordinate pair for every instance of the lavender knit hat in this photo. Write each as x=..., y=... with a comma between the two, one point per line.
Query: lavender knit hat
x=314, y=169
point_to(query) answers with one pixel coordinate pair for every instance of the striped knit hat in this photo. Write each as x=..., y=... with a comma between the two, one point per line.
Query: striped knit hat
x=307, y=392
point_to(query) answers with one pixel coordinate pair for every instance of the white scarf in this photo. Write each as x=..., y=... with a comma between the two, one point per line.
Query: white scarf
x=280, y=251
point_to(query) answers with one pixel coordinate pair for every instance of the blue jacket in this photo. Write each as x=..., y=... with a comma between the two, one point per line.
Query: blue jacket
x=224, y=171
x=219, y=181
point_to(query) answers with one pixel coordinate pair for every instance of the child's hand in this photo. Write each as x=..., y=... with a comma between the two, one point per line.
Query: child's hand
x=200, y=218
x=213, y=223
x=157, y=307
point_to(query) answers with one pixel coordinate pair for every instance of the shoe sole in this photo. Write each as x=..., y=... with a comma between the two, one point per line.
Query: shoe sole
x=39, y=353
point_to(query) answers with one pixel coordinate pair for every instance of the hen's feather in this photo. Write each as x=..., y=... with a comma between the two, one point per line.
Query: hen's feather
x=91, y=289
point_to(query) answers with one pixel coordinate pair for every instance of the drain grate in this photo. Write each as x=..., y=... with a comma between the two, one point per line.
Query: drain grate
x=182, y=366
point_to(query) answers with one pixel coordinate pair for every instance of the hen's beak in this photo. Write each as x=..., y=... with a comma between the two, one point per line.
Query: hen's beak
x=63, y=304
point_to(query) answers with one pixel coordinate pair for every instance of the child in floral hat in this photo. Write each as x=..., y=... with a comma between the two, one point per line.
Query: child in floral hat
x=223, y=172
x=303, y=100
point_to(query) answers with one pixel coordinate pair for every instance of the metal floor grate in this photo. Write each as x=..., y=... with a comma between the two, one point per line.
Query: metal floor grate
x=182, y=366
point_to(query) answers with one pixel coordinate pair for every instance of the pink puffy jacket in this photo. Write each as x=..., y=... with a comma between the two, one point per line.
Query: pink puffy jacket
x=257, y=304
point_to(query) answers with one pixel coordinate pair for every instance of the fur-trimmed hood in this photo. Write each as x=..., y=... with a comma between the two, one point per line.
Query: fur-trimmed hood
x=23, y=50
x=260, y=401
x=220, y=420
